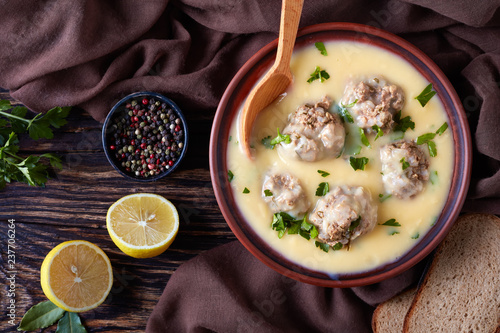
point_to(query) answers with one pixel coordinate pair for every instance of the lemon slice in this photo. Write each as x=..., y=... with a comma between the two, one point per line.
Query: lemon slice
x=142, y=225
x=76, y=276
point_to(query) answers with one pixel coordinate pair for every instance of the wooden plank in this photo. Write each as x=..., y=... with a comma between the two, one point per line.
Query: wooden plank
x=74, y=203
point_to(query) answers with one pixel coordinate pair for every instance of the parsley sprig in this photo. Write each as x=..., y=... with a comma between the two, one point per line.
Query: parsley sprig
x=29, y=169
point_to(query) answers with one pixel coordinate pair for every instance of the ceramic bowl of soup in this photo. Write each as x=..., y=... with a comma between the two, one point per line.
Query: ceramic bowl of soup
x=359, y=169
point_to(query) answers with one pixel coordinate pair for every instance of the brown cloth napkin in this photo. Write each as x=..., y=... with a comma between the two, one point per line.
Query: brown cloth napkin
x=91, y=53
x=228, y=290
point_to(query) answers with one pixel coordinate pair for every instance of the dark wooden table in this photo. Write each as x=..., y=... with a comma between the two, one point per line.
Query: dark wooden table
x=73, y=205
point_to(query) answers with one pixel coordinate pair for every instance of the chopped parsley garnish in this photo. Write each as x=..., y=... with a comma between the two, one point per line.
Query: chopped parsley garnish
x=403, y=124
x=321, y=48
x=346, y=116
x=383, y=198
x=246, y=190
x=230, y=137
x=319, y=74
x=354, y=224
x=416, y=236
x=323, y=246
x=268, y=193
x=358, y=163
x=280, y=138
x=379, y=132
x=364, y=139
x=424, y=138
x=230, y=175
x=323, y=189
x=337, y=246
x=391, y=223
x=394, y=233
x=431, y=145
x=427, y=139
x=283, y=223
x=404, y=163
x=425, y=95
x=323, y=173
x=442, y=129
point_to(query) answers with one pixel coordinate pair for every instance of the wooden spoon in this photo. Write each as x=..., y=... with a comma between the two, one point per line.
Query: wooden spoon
x=278, y=78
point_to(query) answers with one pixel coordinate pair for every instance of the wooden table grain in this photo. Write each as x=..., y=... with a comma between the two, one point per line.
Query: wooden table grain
x=73, y=205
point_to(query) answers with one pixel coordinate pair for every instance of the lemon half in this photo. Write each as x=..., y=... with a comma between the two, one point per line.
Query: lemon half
x=142, y=225
x=76, y=276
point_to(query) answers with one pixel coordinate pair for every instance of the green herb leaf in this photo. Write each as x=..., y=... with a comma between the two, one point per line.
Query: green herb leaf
x=431, y=145
x=405, y=164
x=268, y=193
x=321, y=48
x=29, y=170
x=364, y=139
x=267, y=142
x=323, y=189
x=402, y=124
x=425, y=95
x=416, y=236
x=346, y=116
x=391, y=223
x=230, y=175
x=293, y=229
x=323, y=246
x=246, y=190
x=54, y=160
x=70, y=323
x=379, y=132
x=424, y=138
x=442, y=129
x=280, y=224
x=337, y=246
x=319, y=74
x=42, y=315
x=39, y=127
x=280, y=138
x=393, y=233
x=383, y=198
x=230, y=138
x=358, y=163
x=314, y=232
x=323, y=173
x=354, y=224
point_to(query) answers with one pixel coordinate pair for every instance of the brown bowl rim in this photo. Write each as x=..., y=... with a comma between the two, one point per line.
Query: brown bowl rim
x=453, y=205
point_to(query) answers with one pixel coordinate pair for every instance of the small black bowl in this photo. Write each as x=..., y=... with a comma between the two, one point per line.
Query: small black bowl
x=119, y=110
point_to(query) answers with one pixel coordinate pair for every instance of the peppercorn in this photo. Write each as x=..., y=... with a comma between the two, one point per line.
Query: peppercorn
x=146, y=138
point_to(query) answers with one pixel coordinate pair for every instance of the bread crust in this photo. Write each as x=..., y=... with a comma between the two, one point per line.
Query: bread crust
x=398, y=307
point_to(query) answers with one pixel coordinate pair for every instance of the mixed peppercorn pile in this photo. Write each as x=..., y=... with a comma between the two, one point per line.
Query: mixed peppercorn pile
x=146, y=138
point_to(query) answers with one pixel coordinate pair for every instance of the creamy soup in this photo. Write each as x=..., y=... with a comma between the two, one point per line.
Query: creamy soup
x=345, y=61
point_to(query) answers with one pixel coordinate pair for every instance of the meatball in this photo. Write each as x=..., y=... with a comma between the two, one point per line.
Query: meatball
x=404, y=168
x=285, y=194
x=344, y=214
x=374, y=102
x=314, y=132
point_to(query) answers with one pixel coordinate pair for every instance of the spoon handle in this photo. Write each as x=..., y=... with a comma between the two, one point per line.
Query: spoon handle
x=290, y=17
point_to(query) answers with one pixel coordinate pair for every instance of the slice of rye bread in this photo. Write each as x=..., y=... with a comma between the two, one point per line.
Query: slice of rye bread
x=389, y=316
x=461, y=290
